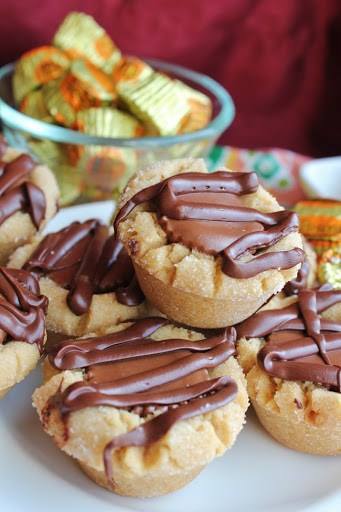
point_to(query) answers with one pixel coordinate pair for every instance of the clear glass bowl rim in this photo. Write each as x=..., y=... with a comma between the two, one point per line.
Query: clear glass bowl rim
x=19, y=121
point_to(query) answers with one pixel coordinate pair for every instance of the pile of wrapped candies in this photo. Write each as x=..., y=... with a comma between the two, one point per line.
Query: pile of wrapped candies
x=83, y=82
x=320, y=223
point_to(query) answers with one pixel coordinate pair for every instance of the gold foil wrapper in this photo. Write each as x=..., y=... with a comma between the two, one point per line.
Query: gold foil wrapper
x=157, y=102
x=81, y=36
x=70, y=182
x=33, y=105
x=56, y=157
x=37, y=67
x=109, y=122
x=200, y=109
x=98, y=83
x=106, y=170
x=48, y=152
x=64, y=98
x=131, y=69
x=329, y=267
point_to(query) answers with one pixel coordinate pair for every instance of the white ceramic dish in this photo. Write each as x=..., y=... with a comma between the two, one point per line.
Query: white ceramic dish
x=257, y=475
x=321, y=178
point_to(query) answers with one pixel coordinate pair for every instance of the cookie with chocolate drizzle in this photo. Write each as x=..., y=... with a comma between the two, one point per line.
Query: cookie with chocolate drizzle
x=87, y=275
x=306, y=276
x=28, y=199
x=208, y=249
x=292, y=357
x=22, y=326
x=162, y=400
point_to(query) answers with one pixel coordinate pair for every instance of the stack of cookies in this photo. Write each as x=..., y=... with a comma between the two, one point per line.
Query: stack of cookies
x=194, y=300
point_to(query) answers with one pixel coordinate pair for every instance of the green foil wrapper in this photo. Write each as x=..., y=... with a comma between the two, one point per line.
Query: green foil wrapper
x=98, y=83
x=131, y=69
x=329, y=268
x=37, y=67
x=64, y=98
x=200, y=108
x=157, y=102
x=33, y=105
x=108, y=122
x=81, y=36
x=106, y=170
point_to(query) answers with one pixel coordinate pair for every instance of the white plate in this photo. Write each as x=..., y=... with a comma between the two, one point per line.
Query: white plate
x=321, y=178
x=257, y=475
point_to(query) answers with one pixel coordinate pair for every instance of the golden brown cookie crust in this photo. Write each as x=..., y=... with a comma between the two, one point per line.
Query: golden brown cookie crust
x=301, y=415
x=105, y=311
x=18, y=229
x=17, y=360
x=187, y=285
x=161, y=467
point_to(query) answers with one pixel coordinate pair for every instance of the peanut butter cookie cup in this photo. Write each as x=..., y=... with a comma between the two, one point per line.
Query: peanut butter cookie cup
x=22, y=326
x=208, y=249
x=87, y=276
x=292, y=358
x=306, y=276
x=28, y=199
x=145, y=408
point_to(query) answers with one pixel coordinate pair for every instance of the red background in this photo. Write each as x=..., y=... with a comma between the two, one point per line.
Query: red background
x=279, y=59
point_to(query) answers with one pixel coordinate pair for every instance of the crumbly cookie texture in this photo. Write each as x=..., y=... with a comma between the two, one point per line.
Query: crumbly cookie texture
x=156, y=469
x=105, y=311
x=301, y=415
x=17, y=360
x=187, y=285
x=312, y=262
x=19, y=229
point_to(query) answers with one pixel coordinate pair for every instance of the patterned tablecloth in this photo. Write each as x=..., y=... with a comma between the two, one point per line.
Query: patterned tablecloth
x=277, y=168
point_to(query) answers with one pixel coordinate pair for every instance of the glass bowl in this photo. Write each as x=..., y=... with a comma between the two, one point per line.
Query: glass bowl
x=96, y=168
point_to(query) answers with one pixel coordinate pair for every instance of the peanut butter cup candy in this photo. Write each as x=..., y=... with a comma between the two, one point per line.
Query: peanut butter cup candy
x=22, y=326
x=292, y=358
x=28, y=199
x=87, y=275
x=144, y=408
x=208, y=249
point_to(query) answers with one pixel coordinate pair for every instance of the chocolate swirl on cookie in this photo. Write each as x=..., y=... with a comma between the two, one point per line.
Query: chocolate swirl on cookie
x=301, y=280
x=17, y=193
x=300, y=344
x=22, y=308
x=204, y=212
x=131, y=371
x=85, y=260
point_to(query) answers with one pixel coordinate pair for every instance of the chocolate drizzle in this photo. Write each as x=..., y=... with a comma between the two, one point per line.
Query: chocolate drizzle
x=129, y=370
x=204, y=212
x=85, y=260
x=17, y=193
x=300, y=282
x=301, y=345
x=22, y=308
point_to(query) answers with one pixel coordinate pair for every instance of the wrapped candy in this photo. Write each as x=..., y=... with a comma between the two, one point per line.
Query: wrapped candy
x=33, y=105
x=37, y=67
x=80, y=36
x=329, y=267
x=108, y=122
x=156, y=101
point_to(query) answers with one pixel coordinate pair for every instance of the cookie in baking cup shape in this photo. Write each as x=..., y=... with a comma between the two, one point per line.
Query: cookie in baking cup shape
x=208, y=249
x=22, y=326
x=145, y=408
x=87, y=276
x=292, y=359
x=29, y=197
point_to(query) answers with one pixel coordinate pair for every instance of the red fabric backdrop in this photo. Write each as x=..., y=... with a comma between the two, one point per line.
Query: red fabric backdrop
x=280, y=60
